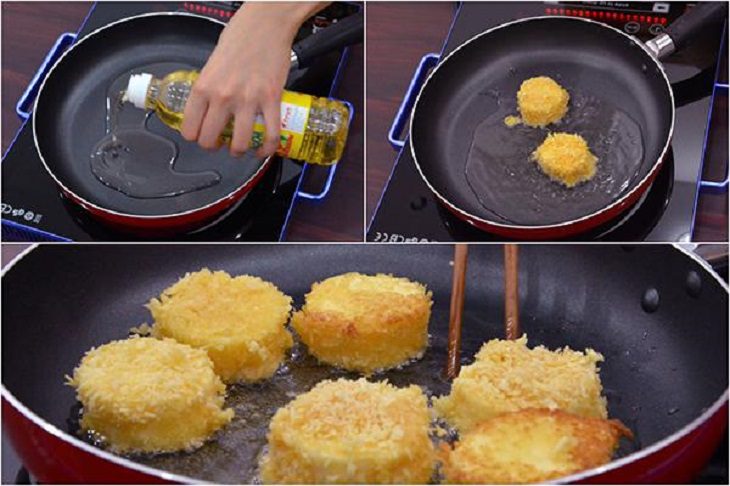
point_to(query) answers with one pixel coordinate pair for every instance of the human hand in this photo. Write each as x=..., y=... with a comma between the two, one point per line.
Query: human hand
x=244, y=76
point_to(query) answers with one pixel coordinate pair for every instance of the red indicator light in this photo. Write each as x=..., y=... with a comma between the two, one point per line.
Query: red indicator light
x=642, y=18
x=562, y=11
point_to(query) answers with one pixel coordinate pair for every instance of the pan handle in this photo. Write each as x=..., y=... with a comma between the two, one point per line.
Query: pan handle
x=404, y=110
x=25, y=103
x=346, y=32
x=681, y=32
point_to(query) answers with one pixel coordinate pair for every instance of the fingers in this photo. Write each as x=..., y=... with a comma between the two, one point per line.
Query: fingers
x=271, y=110
x=195, y=109
x=242, y=130
x=215, y=121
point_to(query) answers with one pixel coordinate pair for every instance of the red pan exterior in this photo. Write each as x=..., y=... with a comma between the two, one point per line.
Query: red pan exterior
x=165, y=225
x=554, y=232
x=679, y=462
x=53, y=460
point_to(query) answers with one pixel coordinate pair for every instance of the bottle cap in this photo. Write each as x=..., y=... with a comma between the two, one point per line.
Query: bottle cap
x=137, y=89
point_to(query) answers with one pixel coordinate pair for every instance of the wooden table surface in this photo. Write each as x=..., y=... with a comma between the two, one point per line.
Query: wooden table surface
x=399, y=34
x=29, y=30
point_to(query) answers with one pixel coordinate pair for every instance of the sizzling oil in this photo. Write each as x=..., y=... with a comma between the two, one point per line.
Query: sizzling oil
x=524, y=194
x=136, y=161
x=232, y=455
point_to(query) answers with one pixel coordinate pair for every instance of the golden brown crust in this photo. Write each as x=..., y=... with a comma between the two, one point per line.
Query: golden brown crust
x=566, y=158
x=542, y=101
x=240, y=321
x=508, y=376
x=348, y=431
x=150, y=395
x=365, y=323
x=531, y=445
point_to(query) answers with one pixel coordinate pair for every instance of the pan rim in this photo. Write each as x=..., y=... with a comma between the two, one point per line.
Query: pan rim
x=84, y=202
x=583, y=475
x=563, y=224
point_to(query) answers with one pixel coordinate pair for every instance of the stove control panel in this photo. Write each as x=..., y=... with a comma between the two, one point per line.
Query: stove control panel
x=225, y=10
x=642, y=19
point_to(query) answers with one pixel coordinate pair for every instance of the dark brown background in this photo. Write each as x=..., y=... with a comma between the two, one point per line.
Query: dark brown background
x=399, y=34
x=29, y=30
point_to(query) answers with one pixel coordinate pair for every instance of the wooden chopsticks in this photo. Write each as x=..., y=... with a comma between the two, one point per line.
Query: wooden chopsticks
x=458, y=286
x=453, y=362
x=511, y=293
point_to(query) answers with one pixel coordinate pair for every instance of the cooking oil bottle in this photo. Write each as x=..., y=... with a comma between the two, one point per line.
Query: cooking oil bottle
x=313, y=129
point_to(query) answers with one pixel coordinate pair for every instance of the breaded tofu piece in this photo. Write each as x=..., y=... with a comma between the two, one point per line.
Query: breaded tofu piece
x=542, y=101
x=530, y=446
x=365, y=323
x=349, y=431
x=507, y=376
x=566, y=158
x=150, y=395
x=240, y=321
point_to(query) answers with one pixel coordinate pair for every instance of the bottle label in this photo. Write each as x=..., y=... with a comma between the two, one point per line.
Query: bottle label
x=294, y=117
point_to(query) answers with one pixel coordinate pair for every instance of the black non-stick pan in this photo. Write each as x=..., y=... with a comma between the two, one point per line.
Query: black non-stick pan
x=621, y=103
x=658, y=315
x=72, y=115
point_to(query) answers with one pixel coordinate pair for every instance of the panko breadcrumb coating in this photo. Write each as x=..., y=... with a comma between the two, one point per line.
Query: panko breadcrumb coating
x=566, y=158
x=348, y=431
x=508, y=376
x=542, y=101
x=365, y=323
x=150, y=395
x=529, y=446
x=240, y=321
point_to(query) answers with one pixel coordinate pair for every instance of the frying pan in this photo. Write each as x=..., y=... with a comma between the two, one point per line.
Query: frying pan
x=621, y=102
x=658, y=314
x=70, y=115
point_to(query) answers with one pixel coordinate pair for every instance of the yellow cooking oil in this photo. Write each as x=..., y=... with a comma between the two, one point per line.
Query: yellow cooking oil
x=313, y=129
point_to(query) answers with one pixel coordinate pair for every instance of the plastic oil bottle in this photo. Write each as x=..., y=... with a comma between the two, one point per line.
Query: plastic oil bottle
x=313, y=129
